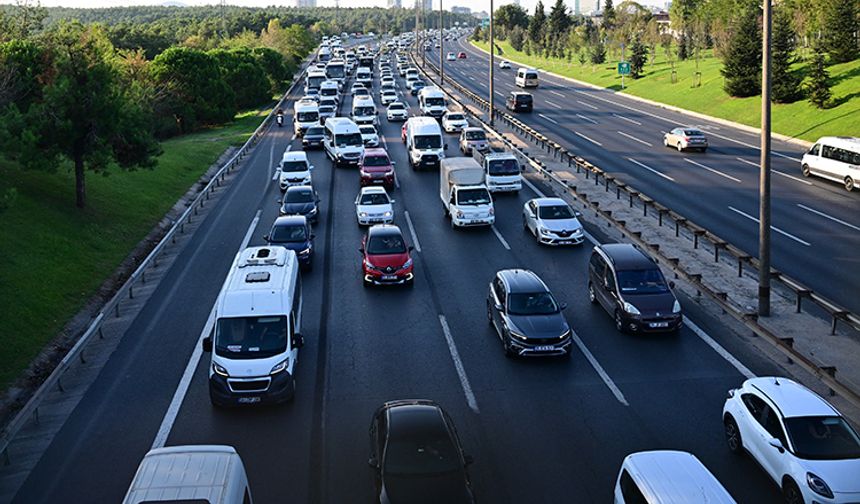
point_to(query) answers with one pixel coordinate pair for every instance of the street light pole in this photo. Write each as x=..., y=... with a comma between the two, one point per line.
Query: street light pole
x=441, y=46
x=423, y=33
x=764, y=162
x=492, y=67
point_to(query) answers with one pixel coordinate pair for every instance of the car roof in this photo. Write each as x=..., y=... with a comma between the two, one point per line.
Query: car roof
x=792, y=398
x=373, y=190
x=520, y=93
x=297, y=188
x=473, y=128
x=522, y=280
x=384, y=229
x=626, y=256
x=375, y=151
x=291, y=220
x=295, y=156
x=541, y=202
x=842, y=142
x=415, y=418
x=675, y=476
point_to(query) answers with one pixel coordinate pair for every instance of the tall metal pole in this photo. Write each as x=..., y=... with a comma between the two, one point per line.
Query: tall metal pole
x=417, y=48
x=492, y=67
x=764, y=177
x=441, y=47
x=423, y=32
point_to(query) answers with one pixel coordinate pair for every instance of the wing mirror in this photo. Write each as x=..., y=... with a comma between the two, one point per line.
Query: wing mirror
x=207, y=344
x=311, y=167
x=298, y=340
x=776, y=443
x=468, y=460
x=671, y=284
x=445, y=146
x=372, y=462
x=577, y=214
x=410, y=248
x=361, y=250
x=562, y=306
x=266, y=237
x=313, y=236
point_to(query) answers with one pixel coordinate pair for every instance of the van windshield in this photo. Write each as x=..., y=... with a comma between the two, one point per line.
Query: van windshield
x=363, y=111
x=504, y=167
x=428, y=141
x=334, y=71
x=648, y=281
x=294, y=166
x=435, y=102
x=473, y=197
x=349, y=140
x=308, y=116
x=251, y=337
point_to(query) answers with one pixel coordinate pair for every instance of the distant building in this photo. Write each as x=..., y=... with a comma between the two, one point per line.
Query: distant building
x=480, y=15
x=306, y=3
x=394, y=3
x=461, y=10
x=427, y=5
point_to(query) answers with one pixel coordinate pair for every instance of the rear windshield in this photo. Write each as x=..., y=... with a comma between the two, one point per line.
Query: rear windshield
x=523, y=98
x=647, y=281
x=314, y=130
x=693, y=133
x=251, y=337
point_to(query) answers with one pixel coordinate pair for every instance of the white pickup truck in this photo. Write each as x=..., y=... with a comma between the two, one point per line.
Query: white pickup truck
x=501, y=170
x=464, y=195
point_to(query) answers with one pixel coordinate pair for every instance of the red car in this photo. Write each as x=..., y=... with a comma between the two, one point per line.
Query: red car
x=376, y=167
x=403, y=132
x=461, y=55
x=385, y=257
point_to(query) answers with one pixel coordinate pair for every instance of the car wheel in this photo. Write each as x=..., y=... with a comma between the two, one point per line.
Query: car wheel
x=733, y=436
x=366, y=284
x=849, y=184
x=791, y=493
x=665, y=142
x=704, y=149
x=805, y=170
x=411, y=282
x=680, y=149
x=619, y=322
x=591, y=295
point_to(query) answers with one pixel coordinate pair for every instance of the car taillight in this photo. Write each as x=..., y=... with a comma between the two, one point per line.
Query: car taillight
x=686, y=139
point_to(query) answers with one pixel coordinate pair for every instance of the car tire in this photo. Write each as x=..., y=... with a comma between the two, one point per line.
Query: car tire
x=733, y=436
x=849, y=184
x=410, y=283
x=791, y=492
x=680, y=149
x=366, y=284
x=619, y=322
x=703, y=149
x=591, y=295
x=805, y=170
x=665, y=142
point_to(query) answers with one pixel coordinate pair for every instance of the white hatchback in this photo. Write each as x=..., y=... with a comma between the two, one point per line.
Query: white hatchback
x=373, y=206
x=397, y=112
x=387, y=96
x=454, y=122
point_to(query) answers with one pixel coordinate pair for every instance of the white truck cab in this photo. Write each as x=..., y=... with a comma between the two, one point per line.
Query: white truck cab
x=424, y=142
x=306, y=114
x=364, y=110
x=464, y=195
x=501, y=170
x=294, y=169
x=256, y=335
x=431, y=101
x=342, y=142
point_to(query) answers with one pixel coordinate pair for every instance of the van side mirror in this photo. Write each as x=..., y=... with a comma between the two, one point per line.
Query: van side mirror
x=311, y=167
x=266, y=237
x=671, y=284
x=207, y=344
x=298, y=340
x=468, y=460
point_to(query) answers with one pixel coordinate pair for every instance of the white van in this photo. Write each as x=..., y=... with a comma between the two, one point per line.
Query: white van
x=527, y=77
x=306, y=114
x=431, y=100
x=424, y=142
x=314, y=79
x=330, y=89
x=202, y=473
x=364, y=110
x=834, y=158
x=336, y=70
x=294, y=169
x=667, y=477
x=364, y=76
x=256, y=337
x=343, y=143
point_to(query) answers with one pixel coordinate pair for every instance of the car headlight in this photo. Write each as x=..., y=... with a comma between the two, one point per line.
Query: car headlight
x=407, y=264
x=362, y=214
x=279, y=367
x=817, y=485
x=517, y=335
x=492, y=211
x=387, y=214
x=629, y=308
x=565, y=334
x=676, y=308
x=544, y=231
x=219, y=369
x=460, y=214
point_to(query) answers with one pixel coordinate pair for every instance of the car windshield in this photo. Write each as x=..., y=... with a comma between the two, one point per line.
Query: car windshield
x=294, y=166
x=504, y=167
x=428, y=142
x=386, y=244
x=299, y=196
x=532, y=303
x=292, y=233
x=396, y=106
x=251, y=337
x=425, y=453
x=455, y=117
x=363, y=111
x=308, y=116
x=334, y=71
x=349, y=139
x=373, y=199
x=376, y=161
x=647, y=281
x=434, y=102
x=367, y=130
x=326, y=109
x=475, y=135
x=823, y=438
x=553, y=212
x=473, y=197
x=314, y=131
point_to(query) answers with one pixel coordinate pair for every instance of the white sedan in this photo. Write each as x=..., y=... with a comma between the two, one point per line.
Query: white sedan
x=387, y=96
x=397, y=112
x=369, y=135
x=454, y=122
x=552, y=222
x=451, y=56
x=504, y=64
x=373, y=206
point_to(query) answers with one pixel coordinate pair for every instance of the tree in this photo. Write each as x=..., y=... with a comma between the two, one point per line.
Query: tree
x=243, y=73
x=785, y=84
x=608, y=15
x=536, y=27
x=638, y=57
x=597, y=53
x=817, y=84
x=557, y=27
x=840, y=30
x=681, y=13
x=742, y=62
x=516, y=38
x=510, y=16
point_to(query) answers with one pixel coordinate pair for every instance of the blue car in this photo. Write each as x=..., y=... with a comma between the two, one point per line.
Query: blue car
x=293, y=232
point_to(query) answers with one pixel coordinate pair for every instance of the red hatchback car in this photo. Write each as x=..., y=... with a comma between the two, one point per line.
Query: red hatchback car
x=376, y=168
x=385, y=257
x=462, y=55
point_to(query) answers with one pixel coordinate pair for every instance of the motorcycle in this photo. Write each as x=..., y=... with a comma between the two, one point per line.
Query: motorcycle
x=280, y=120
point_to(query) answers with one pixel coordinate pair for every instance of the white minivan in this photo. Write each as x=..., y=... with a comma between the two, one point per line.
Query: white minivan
x=364, y=76
x=424, y=142
x=330, y=89
x=527, y=77
x=201, y=473
x=667, y=477
x=364, y=110
x=256, y=335
x=307, y=114
x=342, y=141
x=834, y=158
x=294, y=169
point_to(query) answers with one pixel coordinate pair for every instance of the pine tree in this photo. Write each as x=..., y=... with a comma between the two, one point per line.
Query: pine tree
x=609, y=16
x=742, y=62
x=683, y=49
x=785, y=84
x=536, y=27
x=817, y=85
x=638, y=57
x=840, y=28
x=597, y=53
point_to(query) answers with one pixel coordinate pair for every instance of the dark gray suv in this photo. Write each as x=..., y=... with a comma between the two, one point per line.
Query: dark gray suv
x=526, y=316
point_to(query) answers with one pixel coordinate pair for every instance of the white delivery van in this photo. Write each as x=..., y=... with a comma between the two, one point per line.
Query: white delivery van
x=330, y=89
x=202, y=473
x=336, y=70
x=314, y=79
x=834, y=158
x=424, y=142
x=324, y=54
x=501, y=169
x=464, y=196
x=364, y=110
x=256, y=336
x=431, y=101
x=364, y=76
x=667, y=477
x=294, y=169
x=527, y=77
x=343, y=143
x=305, y=115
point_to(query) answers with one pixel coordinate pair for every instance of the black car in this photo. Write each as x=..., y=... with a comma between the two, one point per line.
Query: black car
x=416, y=455
x=519, y=101
x=313, y=137
x=294, y=233
x=631, y=287
x=417, y=86
x=526, y=316
x=301, y=200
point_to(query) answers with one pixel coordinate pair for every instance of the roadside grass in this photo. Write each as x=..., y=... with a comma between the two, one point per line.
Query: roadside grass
x=799, y=119
x=55, y=256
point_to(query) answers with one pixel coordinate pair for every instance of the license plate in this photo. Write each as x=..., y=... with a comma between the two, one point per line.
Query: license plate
x=389, y=277
x=565, y=242
x=658, y=324
x=248, y=400
x=544, y=348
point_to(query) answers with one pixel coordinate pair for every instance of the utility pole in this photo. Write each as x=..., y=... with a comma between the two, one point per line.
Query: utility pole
x=423, y=32
x=441, y=46
x=416, y=25
x=492, y=68
x=764, y=162
x=622, y=59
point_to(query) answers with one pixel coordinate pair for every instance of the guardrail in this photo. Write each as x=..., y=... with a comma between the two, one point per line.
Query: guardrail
x=825, y=373
x=112, y=307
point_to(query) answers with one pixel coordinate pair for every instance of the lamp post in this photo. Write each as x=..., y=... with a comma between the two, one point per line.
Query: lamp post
x=441, y=46
x=492, y=67
x=764, y=169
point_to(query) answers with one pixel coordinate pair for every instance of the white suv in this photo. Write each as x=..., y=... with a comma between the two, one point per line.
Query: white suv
x=797, y=437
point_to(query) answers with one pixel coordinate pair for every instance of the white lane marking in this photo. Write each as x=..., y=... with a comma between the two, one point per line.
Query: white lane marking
x=631, y=137
x=716, y=172
x=549, y=119
x=595, y=142
x=827, y=216
x=600, y=371
x=470, y=77
x=780, y=231
x=412, y=231
x=637, y=123
x=651, y=169
x=586, y=118
x=786, y=175
x=500, y=94
x=558, y=94
x=587, y=104
x=184, y=382
x=534, y=188
x=551, y=104
x=721, y=351
x=500, y=237
x=458, y=364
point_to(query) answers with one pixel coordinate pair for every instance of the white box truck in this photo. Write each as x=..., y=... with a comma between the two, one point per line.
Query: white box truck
x=464, y=195
x=501, y=170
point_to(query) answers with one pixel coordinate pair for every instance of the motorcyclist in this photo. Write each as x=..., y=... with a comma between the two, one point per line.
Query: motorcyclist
x=280, y=116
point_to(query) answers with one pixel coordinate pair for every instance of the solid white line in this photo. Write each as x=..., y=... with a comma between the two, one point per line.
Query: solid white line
x=721, y=174
x=534, y=188
x=637, y=123
x=595, y=142
x=458, y=364
x=551, y=104
x=549, y=119
x=587, y=105
x=500, y=94
x=631, y=137
x=600, y=371
x=826, y=216
x=412, y=231
x=786, y=175
x=558, y=94
x=780, y=231
x=651, y=169
x=718, y=348
x=500, y=237
x=184, y=382
x=586, y=118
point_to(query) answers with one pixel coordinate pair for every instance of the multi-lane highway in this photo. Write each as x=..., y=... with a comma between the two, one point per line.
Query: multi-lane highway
x=815, y=225
x=548, y=430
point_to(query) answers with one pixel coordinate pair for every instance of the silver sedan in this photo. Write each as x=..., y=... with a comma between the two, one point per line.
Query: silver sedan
x=686, y=138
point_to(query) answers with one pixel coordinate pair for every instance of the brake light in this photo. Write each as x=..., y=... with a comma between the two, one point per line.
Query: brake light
x=686, y=139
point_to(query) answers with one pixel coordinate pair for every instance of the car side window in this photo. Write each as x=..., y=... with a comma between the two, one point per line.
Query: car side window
x=630, y=491
x=815, y=150
x=770, y=422
x=247, y=498
x=827, y=151
x=597, y=263
x=500, y=291
x=754, y=405
x=609, y=279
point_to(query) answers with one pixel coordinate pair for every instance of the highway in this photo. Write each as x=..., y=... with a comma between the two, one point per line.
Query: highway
x=541, y=430
x=814, y=221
